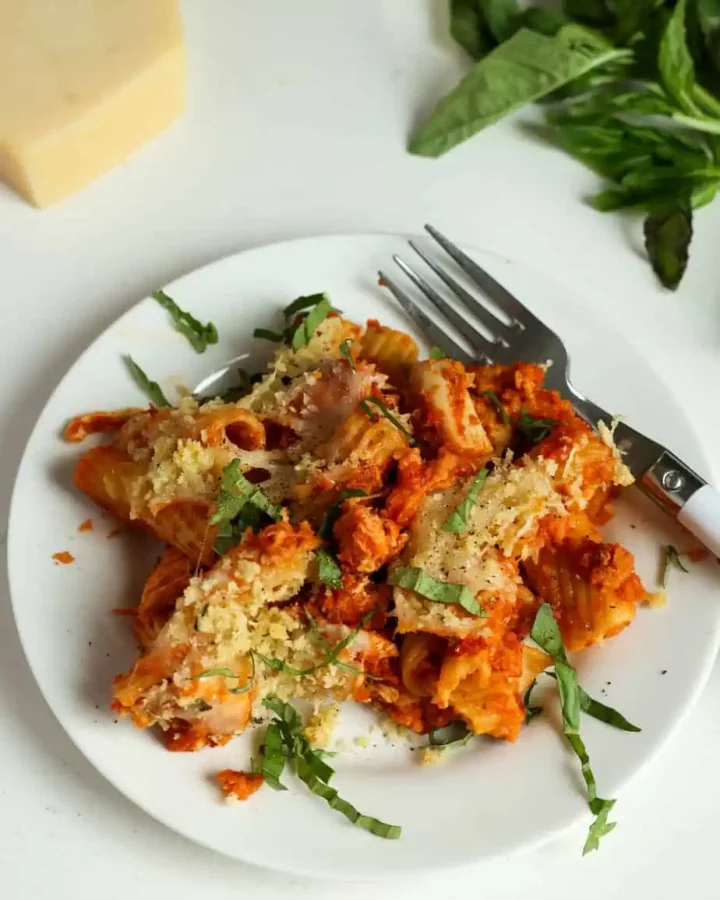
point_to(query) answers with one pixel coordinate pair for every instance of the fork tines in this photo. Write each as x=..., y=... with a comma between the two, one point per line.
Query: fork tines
x=503, y=333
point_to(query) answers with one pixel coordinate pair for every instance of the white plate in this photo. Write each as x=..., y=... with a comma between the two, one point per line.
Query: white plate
x=491, y=798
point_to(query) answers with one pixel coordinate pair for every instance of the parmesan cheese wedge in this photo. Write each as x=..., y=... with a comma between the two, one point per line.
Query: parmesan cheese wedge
x=83, y=84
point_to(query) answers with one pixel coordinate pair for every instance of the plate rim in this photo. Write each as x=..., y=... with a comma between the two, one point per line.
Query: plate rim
x=316, y=870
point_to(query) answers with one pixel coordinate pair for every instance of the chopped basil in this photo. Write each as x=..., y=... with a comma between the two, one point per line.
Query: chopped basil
x=671, y=560
x=239, y=504
x=534, y=430
x=414, y=579
x=530, y=711
x=306, y=328
x=303, y=303
x=197, y=334
x=211, y=673
x=333, y=513
x=151, y=389
x=365, y=407
x=267, y=335
x=497, y=403
x=345, y=350
x=289, y=742
x=546, y=634
x=601, y=712
x=436, y=353
x=455, y=734
x=332, y=657
x=457, y=521
x=272, y=757
x=228, y=673
x=329, y=570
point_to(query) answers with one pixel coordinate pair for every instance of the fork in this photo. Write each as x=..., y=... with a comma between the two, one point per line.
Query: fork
x=672, y=484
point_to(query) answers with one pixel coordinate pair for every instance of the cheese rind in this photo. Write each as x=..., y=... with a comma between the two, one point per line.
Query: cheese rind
x=83, y=84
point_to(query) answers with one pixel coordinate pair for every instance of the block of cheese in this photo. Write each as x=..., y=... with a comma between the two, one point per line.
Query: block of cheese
x=83, y=83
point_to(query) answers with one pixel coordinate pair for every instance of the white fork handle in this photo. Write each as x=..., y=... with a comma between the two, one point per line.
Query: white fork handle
x=701, y=516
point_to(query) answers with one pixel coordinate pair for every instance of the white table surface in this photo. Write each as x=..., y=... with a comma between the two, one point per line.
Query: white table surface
x=297, y=123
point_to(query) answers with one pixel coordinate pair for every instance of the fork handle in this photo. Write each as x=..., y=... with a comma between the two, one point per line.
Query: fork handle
x=701, y=516
x=681, y=492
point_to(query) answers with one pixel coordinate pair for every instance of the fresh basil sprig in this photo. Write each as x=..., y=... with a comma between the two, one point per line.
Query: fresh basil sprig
x=457, y=521
x=151, y=389
x=546, y=634
x=365, y=407
x=597, y=710
x=198, y=335
x=284, y=742
x=412, y=578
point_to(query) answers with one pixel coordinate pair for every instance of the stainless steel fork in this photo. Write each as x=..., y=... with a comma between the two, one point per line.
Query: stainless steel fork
x=524, y=338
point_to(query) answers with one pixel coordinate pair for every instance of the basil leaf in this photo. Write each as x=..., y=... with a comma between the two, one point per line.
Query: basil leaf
x=546, y=634
x=267, y=335
x=671, y=560
x=303, y=303
x=668, y=232
x=273, y=756
x=197, y=334
x=502, y=18
x=236, y=492
x=523, y=69
x=345, y=350
x=329, y=571
x=534, y=430
x=365, y=407
x=306, y=329
x=457, y=521
x=530, y=711
x=675, y=64
x=333, y=512
x=412, y=578
x=467, y=26
x=151, y=389
x=496, y=402
x=331, y=659
x=436, y=353
x=600, y=711
x=455, y=734
x=334, y=801
x=313, y=771
x=211, y=673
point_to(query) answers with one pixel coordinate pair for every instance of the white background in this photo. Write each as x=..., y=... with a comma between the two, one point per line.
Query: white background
x=298, y=118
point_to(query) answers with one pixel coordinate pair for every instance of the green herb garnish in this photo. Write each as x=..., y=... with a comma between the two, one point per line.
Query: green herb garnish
x=240, y=505
x=671, y=560
x=332, y=653
x=228, y=673
x=304, y=303
x=457, y=521
x=600, y=711
x=289, y=743
x=365, y=407
x=497, y=403
x=197, y=334
x=452, y=735
x=329, y=570
x=151, y=389
x=531, y=711
x=267, y=335
x=635, y=96
x=412, y=578
x=546, y=634
x=436, y=353
x=333, y=512
x=533, y=429
x=306, y=328
x=345, y=350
